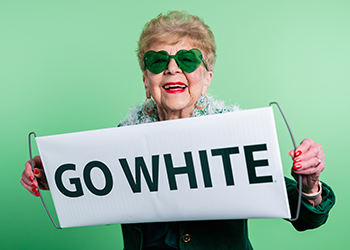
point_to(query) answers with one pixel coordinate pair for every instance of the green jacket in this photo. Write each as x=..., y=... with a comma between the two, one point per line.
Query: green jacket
x=233, y=234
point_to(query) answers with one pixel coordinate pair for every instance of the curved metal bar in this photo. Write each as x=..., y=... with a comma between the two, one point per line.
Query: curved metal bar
x=41, y=197
x=299, y=177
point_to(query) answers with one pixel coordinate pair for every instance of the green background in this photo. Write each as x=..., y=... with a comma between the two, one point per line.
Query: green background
x=69, y=66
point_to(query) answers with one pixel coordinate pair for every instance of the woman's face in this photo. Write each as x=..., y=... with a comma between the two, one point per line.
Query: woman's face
x=179, y=100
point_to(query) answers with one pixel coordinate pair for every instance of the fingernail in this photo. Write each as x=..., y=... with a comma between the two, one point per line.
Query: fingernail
x=298, y=153
x=35, y=190
x=36, y=171
x=296, y=167
x=37, y=194
x=297, y=160
x=31, y=179
x=34, y=186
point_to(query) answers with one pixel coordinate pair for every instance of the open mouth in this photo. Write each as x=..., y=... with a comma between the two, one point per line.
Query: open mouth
x=174, y=87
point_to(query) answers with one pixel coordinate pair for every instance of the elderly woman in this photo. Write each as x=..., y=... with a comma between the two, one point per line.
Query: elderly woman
x=176, y=53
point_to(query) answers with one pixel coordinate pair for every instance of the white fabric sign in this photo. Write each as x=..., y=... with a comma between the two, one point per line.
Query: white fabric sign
x=224, y=166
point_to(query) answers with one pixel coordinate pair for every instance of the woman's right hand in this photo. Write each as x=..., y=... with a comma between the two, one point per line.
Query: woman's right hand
x=28, y=180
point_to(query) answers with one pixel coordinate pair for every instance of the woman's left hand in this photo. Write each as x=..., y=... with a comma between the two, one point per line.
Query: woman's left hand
x=308, y=161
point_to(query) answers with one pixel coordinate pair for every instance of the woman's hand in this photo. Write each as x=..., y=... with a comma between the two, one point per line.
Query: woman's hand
x=28, y=180
x=308, y=161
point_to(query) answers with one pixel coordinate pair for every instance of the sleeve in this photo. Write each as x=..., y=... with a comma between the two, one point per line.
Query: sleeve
x=310, y=217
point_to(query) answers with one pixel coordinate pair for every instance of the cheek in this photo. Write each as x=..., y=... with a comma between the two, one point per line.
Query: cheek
x=154, y=85
x=151, y=81
x=196, y=79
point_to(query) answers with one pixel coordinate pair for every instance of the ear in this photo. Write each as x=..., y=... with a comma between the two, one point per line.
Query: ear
x=145, y=82
x=209, y=76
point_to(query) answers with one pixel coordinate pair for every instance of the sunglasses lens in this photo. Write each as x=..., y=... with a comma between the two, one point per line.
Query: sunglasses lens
x=156, y=62
x=190, y=60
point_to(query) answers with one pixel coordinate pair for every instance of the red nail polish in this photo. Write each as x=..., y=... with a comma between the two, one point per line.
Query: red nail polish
x=35, y=190
x=36, y=171
x=298, y=153
x=296, y=167
x=31, y=179
x=37, y=194
x=297, y=160
x=34, y=186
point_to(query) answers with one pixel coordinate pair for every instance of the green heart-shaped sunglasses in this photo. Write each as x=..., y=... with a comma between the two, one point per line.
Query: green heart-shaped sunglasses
x=187, y=60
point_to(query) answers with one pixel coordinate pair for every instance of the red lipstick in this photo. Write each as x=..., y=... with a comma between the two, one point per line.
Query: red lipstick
x=174, y=87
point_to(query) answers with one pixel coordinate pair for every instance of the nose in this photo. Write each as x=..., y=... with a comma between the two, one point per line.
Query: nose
x=172, y=68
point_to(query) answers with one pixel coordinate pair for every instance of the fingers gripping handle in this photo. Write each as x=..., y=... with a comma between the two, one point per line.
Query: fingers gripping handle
x=299, y=176
x=31, y=162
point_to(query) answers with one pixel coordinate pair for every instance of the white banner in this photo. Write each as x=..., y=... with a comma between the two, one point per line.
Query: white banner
x=224, y=166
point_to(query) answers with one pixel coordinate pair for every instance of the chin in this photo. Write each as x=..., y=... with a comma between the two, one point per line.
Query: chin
x=179, y=106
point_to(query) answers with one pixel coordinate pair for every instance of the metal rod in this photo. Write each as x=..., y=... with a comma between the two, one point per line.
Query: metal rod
x=299, y=176
x=41, y=197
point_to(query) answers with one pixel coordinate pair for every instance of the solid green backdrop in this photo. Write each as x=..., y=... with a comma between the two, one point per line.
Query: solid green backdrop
x=68, y=66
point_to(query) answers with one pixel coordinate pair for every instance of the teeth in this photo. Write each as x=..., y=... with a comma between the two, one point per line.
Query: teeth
x=174, y=86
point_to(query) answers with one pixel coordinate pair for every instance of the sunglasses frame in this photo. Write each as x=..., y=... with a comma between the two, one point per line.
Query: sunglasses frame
x=196, y=52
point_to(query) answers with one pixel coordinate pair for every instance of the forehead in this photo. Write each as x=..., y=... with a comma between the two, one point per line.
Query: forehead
x=172, y=48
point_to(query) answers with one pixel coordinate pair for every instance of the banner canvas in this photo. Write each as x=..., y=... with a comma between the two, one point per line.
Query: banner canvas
x=224, y=166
